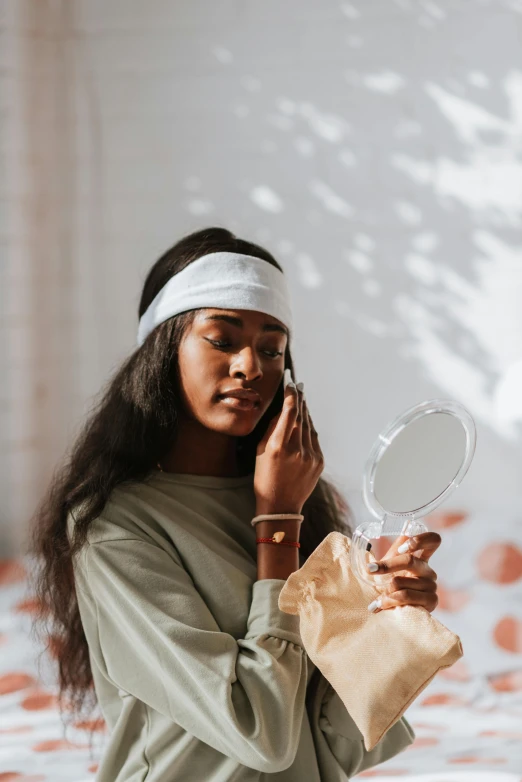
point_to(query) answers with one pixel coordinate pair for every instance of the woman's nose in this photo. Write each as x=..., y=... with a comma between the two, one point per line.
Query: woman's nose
x=249, y=364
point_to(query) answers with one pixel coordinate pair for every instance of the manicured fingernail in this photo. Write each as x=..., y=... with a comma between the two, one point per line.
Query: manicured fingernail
x=404, y=547
x=375, y=604
x=300, y=386
x=288, y=379
x=373, y=567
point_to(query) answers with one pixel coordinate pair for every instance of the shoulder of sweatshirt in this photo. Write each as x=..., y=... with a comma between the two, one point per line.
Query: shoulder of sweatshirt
x=128, y=513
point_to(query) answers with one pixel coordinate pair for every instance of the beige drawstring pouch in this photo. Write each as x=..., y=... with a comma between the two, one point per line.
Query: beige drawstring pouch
x=378, y=663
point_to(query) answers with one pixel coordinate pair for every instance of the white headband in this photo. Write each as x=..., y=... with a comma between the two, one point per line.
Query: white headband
x=223, y=280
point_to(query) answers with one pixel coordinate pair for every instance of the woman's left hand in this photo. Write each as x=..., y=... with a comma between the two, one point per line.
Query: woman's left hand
x=418, y=590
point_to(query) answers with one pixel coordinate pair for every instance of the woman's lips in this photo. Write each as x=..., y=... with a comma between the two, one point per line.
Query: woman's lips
x=239, y=404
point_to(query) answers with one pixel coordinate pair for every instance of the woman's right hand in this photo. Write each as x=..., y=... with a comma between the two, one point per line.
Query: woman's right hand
x=289, y=459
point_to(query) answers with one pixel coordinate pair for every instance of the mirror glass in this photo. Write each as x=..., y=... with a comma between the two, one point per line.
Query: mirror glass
x=420, y=462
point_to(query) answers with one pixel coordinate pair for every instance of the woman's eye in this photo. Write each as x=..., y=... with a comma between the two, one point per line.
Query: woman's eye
x=222, y=345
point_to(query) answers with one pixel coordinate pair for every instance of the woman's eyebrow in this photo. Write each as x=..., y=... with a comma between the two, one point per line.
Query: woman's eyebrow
x=235, y=321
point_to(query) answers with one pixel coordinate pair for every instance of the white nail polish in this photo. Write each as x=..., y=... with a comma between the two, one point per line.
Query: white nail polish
x=404, y=547
x=288, y=379
x=300, y=386
x=375, y=604
x=373, y=567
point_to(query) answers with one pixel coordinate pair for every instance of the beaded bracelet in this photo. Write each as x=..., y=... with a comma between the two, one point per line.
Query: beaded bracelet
x=277, y=536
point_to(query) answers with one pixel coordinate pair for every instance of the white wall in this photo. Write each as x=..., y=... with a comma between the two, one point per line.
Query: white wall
x=374, y=147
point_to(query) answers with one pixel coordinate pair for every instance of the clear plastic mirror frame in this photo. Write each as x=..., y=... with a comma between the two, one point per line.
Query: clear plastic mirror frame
x=392, y=431
x=394, y=523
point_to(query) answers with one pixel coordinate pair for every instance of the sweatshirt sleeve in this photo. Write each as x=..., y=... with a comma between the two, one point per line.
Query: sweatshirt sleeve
x=346, y=742
x=160, y=643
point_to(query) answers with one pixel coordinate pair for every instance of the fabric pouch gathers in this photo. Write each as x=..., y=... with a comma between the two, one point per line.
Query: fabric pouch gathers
x=378, y=663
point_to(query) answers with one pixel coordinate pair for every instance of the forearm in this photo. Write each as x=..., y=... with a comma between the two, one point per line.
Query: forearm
x=275, y=560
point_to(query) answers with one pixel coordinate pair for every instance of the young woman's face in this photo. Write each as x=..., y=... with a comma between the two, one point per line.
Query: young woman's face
x=217, y=355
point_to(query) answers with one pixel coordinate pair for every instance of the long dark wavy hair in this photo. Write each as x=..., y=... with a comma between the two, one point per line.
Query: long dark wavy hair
x=130, y=428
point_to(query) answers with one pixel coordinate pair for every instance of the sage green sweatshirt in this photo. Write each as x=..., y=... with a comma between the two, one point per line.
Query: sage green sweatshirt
x=199, y=675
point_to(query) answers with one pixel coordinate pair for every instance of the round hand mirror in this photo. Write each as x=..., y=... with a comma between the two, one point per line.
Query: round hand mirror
x=415, y=464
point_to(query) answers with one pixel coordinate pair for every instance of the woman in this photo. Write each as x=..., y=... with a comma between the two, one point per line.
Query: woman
x=161, y=594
